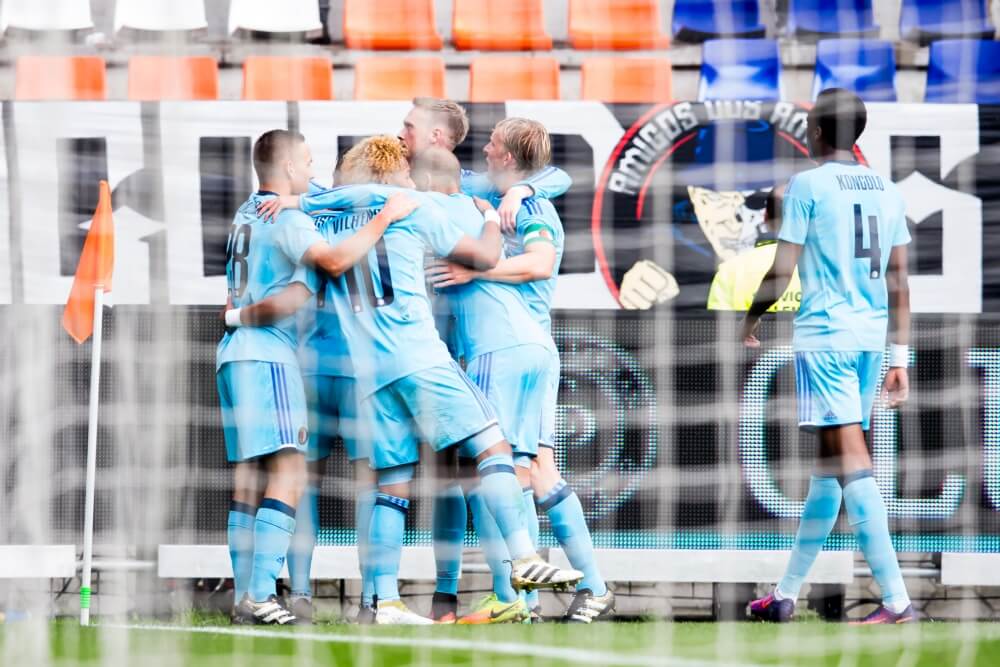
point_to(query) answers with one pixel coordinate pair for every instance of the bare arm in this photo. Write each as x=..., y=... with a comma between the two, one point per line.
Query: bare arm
x=537, y=263
x=896, y=386
x=276, y=307
x=482, y=253
x=773, y=285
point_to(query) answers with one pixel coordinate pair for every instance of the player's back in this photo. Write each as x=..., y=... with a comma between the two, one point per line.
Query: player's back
x=262, y=259
x=489, y=316
x=848, y=218
x=538, y=222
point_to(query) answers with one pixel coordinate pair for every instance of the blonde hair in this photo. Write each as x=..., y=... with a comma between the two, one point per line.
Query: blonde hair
x=450, y=112
x=527, y=141
x=373, y=160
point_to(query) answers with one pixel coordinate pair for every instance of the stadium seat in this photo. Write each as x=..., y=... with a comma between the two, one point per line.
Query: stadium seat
x=616, y=24
x=627, y=80
x=59, y=78
x=698, y=20
x=734, y=69
x=964, y=70
x=868, y=67
x=498, y=79
x=499, y=25
x=50, y=15
x=831, y=17
x=390, y=24
x=398, y=78
x=160, y=15
x=168, y=78
x=287, y=78
x=925, y=21
x=271, y=16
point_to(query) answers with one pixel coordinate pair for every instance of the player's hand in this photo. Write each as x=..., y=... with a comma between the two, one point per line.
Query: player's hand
x=482, y=204
x=646, y=284
x=441, y=273
x=748, y=332
x=399, y=206
x=510, y=205
x=270, y=209
x=896, y=387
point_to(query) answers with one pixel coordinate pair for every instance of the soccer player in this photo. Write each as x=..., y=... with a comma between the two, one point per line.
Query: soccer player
x=412, y=389
x=519, y=147
x=844, y=226
x=257, y=372
x=508, y=355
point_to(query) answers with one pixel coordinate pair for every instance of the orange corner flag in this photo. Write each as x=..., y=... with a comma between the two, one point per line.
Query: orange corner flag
x=96, y=265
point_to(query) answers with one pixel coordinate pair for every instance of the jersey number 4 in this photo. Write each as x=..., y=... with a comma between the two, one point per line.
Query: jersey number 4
x=353, y=289
x=237, y=251
x=873, y=252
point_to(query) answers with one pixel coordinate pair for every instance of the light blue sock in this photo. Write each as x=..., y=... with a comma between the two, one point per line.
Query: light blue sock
x=300, y=551
x=870, y=521
x=493, y=545
x=363, y=507
x=272, y=533
x=502, y=495
x=385, y=544
x=531, y=518
x=818, y=518
x=570, y=528
x=449, y=519
x=240, y=538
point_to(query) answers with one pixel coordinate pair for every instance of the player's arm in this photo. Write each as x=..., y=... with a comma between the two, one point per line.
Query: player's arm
x=335, y=260
x=771, y=288
x=482, y=253
x=896, y=386
x=549, y=183
x=272, y=309
x=339, y=198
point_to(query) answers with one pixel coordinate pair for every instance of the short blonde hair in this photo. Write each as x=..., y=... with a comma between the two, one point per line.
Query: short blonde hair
x=373, y=160
x=451, y=113
x=527, y=141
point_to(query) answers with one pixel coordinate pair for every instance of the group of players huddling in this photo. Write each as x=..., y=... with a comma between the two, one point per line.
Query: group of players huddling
x=331, y=334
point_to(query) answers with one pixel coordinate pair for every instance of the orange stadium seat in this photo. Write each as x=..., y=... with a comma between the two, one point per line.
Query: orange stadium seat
x=499, y=78
x=499, y=25
x=627, y=80
x=398, y=78
x=60, y=78
x=390, y=24
x=616, y=24
x=166, y=78
x=285, y=78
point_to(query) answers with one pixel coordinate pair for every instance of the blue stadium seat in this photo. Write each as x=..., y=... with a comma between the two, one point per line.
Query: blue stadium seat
x=964, y=70
x=698, y=20
x=831, y=17
x=925, y=21
x=736, y=69
x=865, y=66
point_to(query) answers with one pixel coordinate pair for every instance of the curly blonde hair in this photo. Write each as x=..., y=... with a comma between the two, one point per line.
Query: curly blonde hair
x=373, y=160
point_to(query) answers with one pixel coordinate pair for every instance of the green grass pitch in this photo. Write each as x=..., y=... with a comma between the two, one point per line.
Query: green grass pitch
x=211, y=641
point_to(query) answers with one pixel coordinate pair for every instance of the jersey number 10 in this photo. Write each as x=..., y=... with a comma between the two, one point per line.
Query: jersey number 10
x=873, y=252
x=384, y=278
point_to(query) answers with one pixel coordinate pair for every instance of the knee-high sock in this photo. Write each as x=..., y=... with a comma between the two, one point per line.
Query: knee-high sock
x=300, y=551
x=363, y=507
x=570, y=528
x=449, y=519
x=870, y=521
x=502, y=495
x=272, y=533
x=493, y=545
x=531, y=519
x=386, y=543
x=818, y=518
x=240, y=537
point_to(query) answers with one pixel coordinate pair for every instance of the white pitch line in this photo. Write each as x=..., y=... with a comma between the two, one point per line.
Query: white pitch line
x=498, y=648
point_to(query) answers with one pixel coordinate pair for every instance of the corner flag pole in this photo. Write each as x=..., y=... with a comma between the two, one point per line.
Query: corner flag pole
x=88, y=512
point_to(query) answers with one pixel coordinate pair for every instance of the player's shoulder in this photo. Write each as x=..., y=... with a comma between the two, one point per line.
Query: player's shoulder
x=294, y=216
x=537, y=208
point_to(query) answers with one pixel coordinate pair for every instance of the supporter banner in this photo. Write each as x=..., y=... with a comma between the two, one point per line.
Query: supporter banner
x=677, y=189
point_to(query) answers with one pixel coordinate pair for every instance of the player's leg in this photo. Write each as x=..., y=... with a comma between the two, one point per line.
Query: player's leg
x=448, y=522
x=364, y=506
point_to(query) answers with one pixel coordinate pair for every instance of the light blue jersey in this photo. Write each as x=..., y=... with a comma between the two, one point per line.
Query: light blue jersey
x=848, y=218
x=549, y=183
x=489, y=316
x=262, y=259
x=381, y=305
x=538, y=222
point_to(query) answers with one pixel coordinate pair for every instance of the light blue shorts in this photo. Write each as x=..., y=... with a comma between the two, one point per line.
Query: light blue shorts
x=550, y=406
x=333, y=416
x=263, y=409
x=835, y=388
x=516, y=382
x=439, y=406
